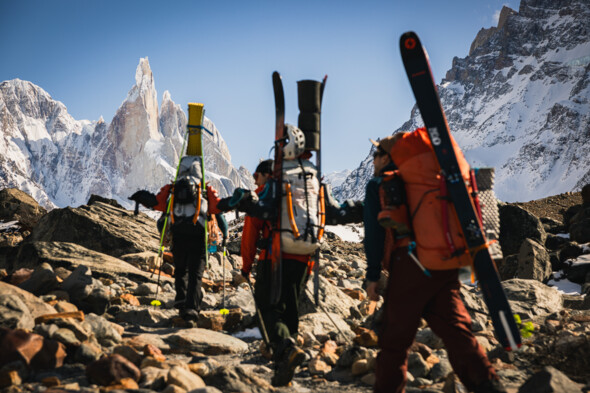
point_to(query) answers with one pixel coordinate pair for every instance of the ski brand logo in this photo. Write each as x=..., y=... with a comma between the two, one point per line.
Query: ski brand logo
x=434, y=136
x=410, y=43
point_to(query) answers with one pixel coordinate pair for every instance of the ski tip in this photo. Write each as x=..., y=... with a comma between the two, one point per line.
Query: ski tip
x=409, y=41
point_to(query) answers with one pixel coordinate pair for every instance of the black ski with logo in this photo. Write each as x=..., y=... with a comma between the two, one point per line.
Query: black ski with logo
x=277, y=189
x=417, y=67
x=316, y=265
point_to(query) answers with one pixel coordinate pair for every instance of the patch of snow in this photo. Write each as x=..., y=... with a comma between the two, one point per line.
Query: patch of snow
x=9, y=226
x=349, y=233
x=249, y=333
x=564, y=285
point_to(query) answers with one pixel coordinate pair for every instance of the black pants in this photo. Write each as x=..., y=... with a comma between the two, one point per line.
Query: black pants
x=188, y=249
x=282, y=319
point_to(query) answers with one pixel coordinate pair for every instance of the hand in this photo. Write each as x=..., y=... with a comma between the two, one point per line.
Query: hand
x=245, y=274
x=224, y=242
x=372, y=290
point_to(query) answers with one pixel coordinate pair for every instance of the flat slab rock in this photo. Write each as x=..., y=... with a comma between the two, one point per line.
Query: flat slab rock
x=70, y=256
x=205, y=341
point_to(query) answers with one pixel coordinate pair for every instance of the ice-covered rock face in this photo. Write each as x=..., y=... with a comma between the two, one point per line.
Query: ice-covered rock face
x=61, y=161
x=520, y=102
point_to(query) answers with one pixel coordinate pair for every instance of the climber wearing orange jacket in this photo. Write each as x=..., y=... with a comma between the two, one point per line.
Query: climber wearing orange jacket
x=282, y=319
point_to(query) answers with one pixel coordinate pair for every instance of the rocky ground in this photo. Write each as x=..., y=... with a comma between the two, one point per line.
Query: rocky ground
x=77, y=309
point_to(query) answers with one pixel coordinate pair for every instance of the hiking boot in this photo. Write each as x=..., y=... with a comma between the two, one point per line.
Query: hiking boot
x=189, y=315
x=292, y=357
x=490, y=386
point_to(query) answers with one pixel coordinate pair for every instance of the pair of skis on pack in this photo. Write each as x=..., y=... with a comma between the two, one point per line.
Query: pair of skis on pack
x=417, y=66
x=276, y=254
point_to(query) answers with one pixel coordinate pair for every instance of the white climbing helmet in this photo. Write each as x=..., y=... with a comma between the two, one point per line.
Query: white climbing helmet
x=296, y=142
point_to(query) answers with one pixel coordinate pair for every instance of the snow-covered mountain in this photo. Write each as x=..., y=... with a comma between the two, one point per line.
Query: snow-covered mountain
x=336, y=178
x=519, y=102
x=61, y=161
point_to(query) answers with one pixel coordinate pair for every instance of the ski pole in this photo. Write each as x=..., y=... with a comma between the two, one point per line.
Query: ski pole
x=329, y=317
x=223, y=311
x=412, y=247
x=259, y=314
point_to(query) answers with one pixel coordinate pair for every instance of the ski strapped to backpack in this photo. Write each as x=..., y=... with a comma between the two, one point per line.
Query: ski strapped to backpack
x=310, y=95
x=275, y=241
x=460, y=194
x=196, y=116
x=295, y=187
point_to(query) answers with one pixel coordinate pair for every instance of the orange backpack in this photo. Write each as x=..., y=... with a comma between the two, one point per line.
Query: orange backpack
x=440, y=242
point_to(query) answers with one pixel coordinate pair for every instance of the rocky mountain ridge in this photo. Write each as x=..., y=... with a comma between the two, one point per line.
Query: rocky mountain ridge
x=61, y=161
x=519, y=102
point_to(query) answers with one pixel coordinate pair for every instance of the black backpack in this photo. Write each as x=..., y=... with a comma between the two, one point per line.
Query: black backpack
x=186, y=190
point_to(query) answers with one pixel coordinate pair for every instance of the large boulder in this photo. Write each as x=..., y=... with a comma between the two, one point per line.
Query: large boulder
x=16, y=205
x=516, y=225
x=533, y=262
x=580, y=226
x=529, y=298
x=472, y=299
x=100, y=227
x=36, y=306
x=322, y=323
x=332, y=299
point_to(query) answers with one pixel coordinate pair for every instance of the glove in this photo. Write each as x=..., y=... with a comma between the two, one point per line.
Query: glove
x=224, y=242
x=144, y=197
x=245, y=274
x=354, y=211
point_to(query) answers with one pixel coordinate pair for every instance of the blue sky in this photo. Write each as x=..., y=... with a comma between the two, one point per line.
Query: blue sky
x=222, y=53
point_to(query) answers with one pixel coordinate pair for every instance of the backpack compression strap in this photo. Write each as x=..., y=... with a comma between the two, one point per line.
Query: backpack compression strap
x=198, y=210
x=294, y=228
x=322, y=214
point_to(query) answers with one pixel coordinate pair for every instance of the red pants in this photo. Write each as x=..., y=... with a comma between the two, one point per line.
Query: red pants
x=412, y=295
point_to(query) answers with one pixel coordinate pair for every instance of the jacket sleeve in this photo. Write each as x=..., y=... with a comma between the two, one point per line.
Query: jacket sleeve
x=374, y=233
x=162, y=198
x=222, y=223
x=250, y=234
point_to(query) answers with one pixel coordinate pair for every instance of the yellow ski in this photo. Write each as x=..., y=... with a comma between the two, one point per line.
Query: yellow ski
x=196, y=114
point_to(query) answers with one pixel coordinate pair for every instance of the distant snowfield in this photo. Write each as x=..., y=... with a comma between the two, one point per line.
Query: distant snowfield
x=349, y=233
